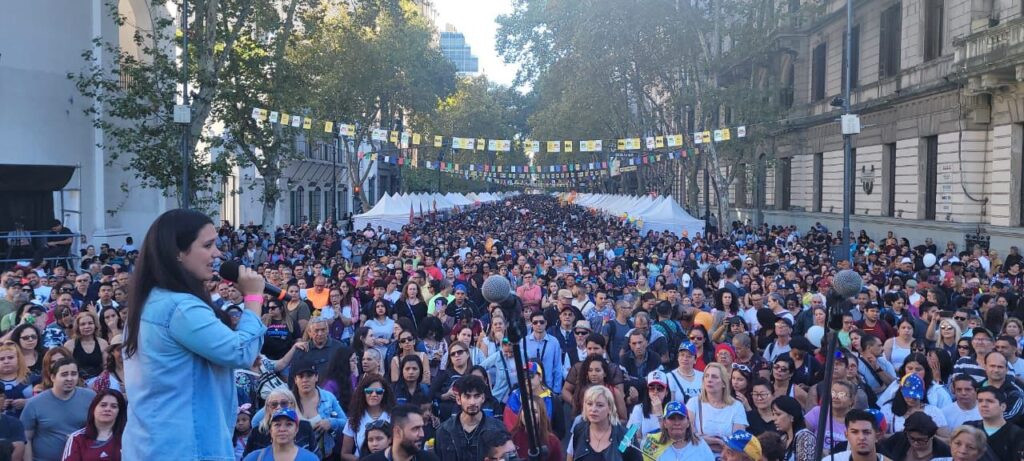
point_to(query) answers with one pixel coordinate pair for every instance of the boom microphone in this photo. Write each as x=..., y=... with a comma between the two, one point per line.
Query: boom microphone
x=496, y=289
x=229, y=272
x=845, y=285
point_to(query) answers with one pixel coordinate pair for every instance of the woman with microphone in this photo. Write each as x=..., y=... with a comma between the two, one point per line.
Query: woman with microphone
x=180, y=352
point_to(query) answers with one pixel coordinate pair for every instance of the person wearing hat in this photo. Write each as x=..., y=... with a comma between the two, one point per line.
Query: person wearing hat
x=284, y=426
x=578, y=350
x=917, y=442
x=742, y=446
x=562, y=328
x=910, y=400
x=983, y=342
x=676, y=440
x=783, y=335
x=652, y=403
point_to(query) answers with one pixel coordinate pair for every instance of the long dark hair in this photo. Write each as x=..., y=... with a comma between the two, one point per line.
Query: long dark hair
x=172, y=233
x=358, y=405
x=91, y=432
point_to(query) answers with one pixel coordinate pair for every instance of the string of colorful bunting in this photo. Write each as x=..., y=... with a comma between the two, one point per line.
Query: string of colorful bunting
x=407, y=139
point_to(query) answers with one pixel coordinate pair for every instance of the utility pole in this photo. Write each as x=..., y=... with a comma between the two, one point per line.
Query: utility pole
x=183, y=113
x=850, y=126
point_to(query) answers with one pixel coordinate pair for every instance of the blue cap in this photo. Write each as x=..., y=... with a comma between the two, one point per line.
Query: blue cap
x=912, y=387
x=675, y=408
x=286, y=413
x=744, y=442
x=688, y=346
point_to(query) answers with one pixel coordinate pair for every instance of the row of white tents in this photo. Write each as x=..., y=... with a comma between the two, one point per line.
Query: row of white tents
x=392, y=211
x=660, y=214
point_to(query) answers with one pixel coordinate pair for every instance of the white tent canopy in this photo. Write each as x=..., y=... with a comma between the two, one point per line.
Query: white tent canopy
x=661, y=214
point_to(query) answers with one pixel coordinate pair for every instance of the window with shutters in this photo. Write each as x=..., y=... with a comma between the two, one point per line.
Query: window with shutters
x=854, y=57
x=934, y=22
x=889, y=171
x=741, y=186
x=296, y=199
x=819, y=172
x=890, y=38
x=818, y=72
x=783, y=184
x=930, y=167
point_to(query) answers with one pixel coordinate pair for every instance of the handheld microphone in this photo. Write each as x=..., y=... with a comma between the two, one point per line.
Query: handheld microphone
x=497, y=289
x=229, y=272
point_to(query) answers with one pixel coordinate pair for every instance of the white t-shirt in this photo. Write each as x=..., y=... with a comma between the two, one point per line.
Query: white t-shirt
x=681, y=388
x=363, y=422
x=715, y=422
x=955, y=416
x=845, y=456
x=691, y=452
x=896, y=422
x=647, y=425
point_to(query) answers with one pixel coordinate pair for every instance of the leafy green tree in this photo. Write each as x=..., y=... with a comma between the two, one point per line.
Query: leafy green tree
x=645, y=67
x=263, y=75
x=135, y=95
x=373, y=65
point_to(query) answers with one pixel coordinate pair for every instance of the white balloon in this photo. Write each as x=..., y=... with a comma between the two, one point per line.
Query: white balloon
x=929, y=260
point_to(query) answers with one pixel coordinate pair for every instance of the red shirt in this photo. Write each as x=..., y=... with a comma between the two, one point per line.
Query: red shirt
x=80, y=448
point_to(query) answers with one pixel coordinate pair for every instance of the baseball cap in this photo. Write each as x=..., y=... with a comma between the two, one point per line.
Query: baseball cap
x=675, y=408
x=303, y=367
x=689, y=347
x=912, y=387
x=920, y=422
x=285, y=413
x=976, y=330
x=534, y=368
x=582, y=325
x=744, y=442
x=905, y=260
x=657, y=377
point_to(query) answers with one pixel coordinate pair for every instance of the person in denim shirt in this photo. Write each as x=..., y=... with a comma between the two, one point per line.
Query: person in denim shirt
x=180, y=352
x=317, y=406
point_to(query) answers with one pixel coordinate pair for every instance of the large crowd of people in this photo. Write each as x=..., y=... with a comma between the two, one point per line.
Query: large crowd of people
x=637, y=346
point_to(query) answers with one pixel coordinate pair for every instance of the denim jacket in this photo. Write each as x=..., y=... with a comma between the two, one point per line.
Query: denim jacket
x=181, y=379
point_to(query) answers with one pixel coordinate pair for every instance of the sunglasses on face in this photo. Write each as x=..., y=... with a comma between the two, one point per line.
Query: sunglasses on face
x=960, y=319
x=29, y=338
x=406, y=340
x=581, y=333
x=373, y=390
x=539, y=322
x=781, y=368
x=278, y=404
x=963, y=348
x=457, y=352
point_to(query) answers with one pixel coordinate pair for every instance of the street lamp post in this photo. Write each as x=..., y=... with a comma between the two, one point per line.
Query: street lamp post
x=183, y=113
x=850, y=126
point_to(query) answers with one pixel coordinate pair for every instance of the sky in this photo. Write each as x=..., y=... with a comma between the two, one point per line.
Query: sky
x=475, y=19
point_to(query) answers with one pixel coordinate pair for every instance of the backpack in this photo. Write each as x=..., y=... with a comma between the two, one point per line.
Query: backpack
x=673, y=333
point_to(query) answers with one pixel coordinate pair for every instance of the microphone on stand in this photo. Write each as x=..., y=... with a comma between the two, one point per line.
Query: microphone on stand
x=497, y=289
x=229, y=272
x=845, y=285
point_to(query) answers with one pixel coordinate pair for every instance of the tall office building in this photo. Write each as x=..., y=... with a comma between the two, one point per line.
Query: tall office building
x=454, y=47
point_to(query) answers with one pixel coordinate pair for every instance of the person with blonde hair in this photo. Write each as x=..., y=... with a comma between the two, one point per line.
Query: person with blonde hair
x=260, y=437
x=14, y=374
x=967, y=443
x=716, y=415
x=600, y=432
x=86, y=346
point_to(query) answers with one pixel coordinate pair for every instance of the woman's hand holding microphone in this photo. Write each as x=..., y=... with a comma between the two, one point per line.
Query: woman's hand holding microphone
x=251, y=284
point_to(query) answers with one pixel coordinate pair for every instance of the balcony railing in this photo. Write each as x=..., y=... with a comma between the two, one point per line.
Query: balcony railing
x=991, y=45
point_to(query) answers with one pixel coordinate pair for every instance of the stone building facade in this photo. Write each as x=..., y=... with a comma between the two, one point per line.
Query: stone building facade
x=938, y=87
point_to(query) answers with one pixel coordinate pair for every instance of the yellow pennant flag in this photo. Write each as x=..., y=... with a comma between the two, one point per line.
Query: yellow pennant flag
x=481, y=144
x=621, y=144
x=706, y=137
x=554, y=146
x=328, y=127
x=415, y=139
x=307, y=123
x=286, y=119
x=659, y=142
x=393, y=137
x=726, y=135
x=438, y=140
x=567, y=146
